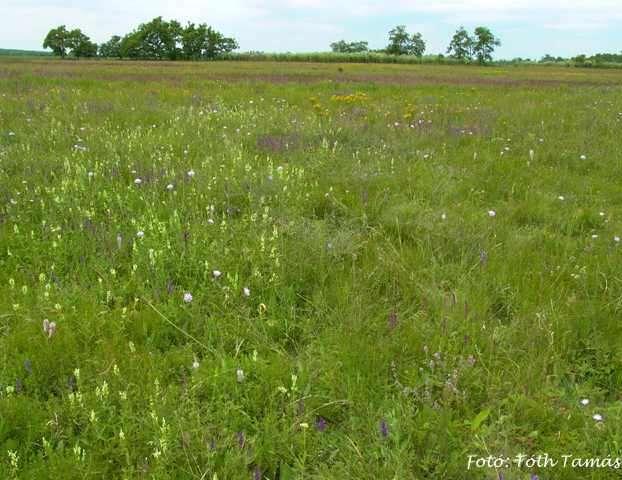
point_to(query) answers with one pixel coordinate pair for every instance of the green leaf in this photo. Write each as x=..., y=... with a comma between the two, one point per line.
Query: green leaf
x=479, y=419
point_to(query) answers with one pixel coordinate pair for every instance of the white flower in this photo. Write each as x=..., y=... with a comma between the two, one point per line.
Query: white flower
x=585, y=402
x=91, y=174
x=598, y=417
x=49, y=328
x=216, y=273
x=583, y=157
x=210, y=221
x=170, y=187
x=616, y=239
x=531, y=154
x=602, y=214
x=11, y=134
x=246, y=292
x=140, y=234
x=492, y=213
x=187, y=297
x=137, y=181
x=561, y=197
x=195, y=364
x=239, y=375
x=443, y=216
x=190, y=173
x=594, y=236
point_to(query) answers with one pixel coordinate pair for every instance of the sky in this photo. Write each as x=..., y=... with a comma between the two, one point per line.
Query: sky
x=527, y=28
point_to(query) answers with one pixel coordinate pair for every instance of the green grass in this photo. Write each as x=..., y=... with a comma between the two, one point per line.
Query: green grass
x=387, y=306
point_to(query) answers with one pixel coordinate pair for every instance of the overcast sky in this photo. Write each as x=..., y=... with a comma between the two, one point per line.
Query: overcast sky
x=527, y=28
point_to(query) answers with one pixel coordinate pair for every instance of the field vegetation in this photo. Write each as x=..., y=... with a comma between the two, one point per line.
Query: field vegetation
x=264, y=270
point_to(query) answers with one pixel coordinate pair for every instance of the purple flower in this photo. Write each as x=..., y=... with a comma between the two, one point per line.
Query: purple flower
x=384, y=428
x=392, y=320
x=72, y=383
x=241, y=439
x=534, y=477
x=257, y=473
x=320, y=424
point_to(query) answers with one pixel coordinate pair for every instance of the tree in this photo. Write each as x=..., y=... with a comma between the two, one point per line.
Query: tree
x=160, y=39
x=417, y=46
x=402, y=43
x=193, y=40
x=111, y=48
x=349, y=47
x=157, y=39
x=484, y=44
x=217, y=44
x=131, y=46
x=461, y=45
x=56, y=39
x=80, y=44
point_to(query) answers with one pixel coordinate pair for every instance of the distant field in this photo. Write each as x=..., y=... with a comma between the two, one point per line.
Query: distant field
x=23, y=53
x=298, y=270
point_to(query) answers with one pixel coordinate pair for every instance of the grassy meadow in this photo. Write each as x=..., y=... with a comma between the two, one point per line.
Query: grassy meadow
x=308, y=271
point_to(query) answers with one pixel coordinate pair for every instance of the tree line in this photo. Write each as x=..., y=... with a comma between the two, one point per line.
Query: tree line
x=463, y=46
x=155, y=40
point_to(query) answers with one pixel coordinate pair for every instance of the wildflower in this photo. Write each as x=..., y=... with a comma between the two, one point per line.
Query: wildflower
x=195, y=364
x=138, y=181
x=257, y=475
x=241, y=439
x=616, y=239
x=304, y=425
x=239, y=373
x=90, y=174
x=585, y=402
x=443, y=216
x=531, y=155
x=170, y=187
x=392, y=320
x=210, y=221
x=49, y=328
x=492, y=213
x=140, y=234
x=191, y=173
x=561, y=197
x=187, y=297
x=583, y=157
x=246, y=292
x=216, y=274
x=384, y=428
x=320, y=424
x=597, y=417
x=594, y=236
